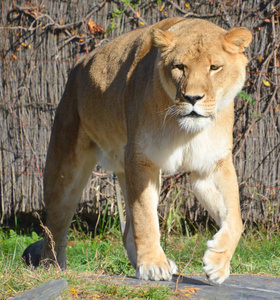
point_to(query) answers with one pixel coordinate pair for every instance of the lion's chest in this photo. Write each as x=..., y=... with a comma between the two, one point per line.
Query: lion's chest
x=199, y=153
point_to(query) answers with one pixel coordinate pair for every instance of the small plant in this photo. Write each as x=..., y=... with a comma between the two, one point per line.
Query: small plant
x=175, y=222
x=118, y=14
x=247, y=98
x=251, y=102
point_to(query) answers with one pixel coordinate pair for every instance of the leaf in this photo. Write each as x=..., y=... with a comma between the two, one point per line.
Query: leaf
x=91, y=26
x=162, y=7
x=95, y=28
x=72, y=290
x=260, y=58
x=141, y=23
x=267, y=20
x=99, y=29
x=14, y=57
x=187, y=5
x=266, y=83
x=190, y=290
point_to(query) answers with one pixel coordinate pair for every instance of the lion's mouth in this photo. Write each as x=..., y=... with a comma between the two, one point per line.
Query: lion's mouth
x=193, y=114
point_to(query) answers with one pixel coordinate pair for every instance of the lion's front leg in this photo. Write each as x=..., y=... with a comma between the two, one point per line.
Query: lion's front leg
x=142, y=191
x=218, y=192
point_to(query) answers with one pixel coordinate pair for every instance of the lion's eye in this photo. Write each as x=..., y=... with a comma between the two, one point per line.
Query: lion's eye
x=179, y=67
x=215, y=68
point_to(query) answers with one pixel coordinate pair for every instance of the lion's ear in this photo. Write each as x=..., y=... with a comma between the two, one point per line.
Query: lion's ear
x=237, y=39
x=163, y=39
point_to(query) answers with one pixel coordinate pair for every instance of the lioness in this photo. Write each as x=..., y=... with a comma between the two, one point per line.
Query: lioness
x=156, y=98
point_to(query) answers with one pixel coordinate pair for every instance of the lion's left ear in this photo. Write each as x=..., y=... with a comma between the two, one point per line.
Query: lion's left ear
x=163, y=39
x=237, y=39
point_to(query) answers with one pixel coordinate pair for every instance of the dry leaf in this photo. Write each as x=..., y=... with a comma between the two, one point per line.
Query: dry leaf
x=190, y=290
x=95, y=28
x=91, y=26
x=72, y=290
x=99, y=29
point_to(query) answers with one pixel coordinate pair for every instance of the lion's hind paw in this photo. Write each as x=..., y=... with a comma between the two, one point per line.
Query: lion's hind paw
x=32, y=254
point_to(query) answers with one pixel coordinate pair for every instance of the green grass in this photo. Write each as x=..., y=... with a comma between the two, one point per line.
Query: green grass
x=258, y=253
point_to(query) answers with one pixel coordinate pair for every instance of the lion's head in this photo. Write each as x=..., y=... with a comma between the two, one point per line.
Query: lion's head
x=201, y=68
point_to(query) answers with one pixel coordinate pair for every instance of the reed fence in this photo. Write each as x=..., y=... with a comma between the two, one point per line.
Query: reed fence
x=40, y=42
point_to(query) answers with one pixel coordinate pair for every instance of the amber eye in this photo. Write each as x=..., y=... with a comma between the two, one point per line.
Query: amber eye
x=214, y=68
x=179, y=67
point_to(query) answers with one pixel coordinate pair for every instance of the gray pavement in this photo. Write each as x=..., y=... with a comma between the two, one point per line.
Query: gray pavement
x=235, y=287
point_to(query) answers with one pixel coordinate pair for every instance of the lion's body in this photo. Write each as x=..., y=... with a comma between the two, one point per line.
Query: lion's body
x=155, y=98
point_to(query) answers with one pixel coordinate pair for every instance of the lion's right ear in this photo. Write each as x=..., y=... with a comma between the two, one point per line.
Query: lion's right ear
x=163, y=39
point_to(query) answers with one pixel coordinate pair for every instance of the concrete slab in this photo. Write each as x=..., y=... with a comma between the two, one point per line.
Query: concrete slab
x=47, y=291
x=236, y=287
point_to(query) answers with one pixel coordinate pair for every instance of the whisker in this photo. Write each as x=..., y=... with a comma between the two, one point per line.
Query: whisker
x=165, y=110
x=170, y=111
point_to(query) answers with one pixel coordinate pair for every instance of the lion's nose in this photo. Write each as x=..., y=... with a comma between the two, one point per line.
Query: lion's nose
x=192, y=98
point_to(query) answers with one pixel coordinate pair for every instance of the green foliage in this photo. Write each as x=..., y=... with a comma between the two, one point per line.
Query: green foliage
x=247, y=98
x=104, y=253
x=11, y=244
x=258, y=253
x=116, y=16
x=251, y=102
x=176, y=222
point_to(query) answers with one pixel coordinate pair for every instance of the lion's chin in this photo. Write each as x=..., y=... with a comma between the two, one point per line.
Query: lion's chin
x=194, y=123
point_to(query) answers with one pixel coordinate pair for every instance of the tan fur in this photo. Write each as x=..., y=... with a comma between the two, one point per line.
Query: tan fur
x=146, y=101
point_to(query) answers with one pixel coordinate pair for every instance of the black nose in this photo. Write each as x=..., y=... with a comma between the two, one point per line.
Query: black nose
x=192, y=98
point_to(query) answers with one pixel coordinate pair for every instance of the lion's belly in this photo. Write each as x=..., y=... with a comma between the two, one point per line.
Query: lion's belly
x=111, y=160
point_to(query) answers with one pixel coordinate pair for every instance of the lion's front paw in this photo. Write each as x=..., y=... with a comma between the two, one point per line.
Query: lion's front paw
x=156, y=270
x=216, y=263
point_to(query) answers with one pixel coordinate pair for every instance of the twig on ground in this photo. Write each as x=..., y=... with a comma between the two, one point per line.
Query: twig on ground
x=51, y=241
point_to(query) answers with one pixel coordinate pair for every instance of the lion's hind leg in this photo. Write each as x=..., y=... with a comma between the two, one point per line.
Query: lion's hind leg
x=70, y=161
x=128, y=239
